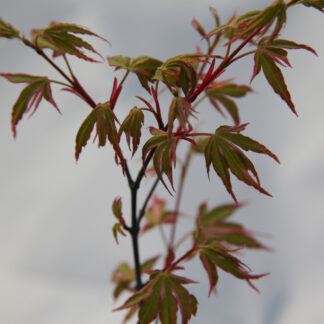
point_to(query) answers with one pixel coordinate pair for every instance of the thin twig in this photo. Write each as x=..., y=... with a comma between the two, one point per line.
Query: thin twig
x=124, y=78
x=128, y=175
x=74, y=82
x=61, y=83
x=199, y=101
x=67, y=64
x=41, y=53
x=143, y=209
x=178, y=198
x=182, y=239
x=164, y=237
x=242, y=55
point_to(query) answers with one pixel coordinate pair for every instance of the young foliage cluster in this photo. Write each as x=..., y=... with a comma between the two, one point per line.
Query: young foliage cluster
x=189, y=79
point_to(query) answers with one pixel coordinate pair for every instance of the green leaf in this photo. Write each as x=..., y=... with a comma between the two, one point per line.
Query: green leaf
x=248, y=16
x=131, y=313
x=132, y=126
x=214, y=155
x=104, y=119
x=157, y=215
x=143, y=66
x=117, y=208
x=216, y=215
x=236, y=234
x=182, y=110
x=117, y=211
x=284, y=43
x=317, y=4
x=199, y=28
x=124, y=276
x=30, y=97
x=179, y=71
x=213, y=225
x=211, y=270
x=228, y=89
x=220, y=92
x=119, y=62
x=85, y=131
x=117, y=228
x=21, y=77
x=149, y=264
x=163, y=295
x=265, y=18
x=169, y=307
x=200, y=145
x=234, y=26
x=268, y=56
x=7, y=30
x=276, y=80
x=214, y=256
x=245, y=142
x=228, y=104
x=223, y=152
x=61, y=39
x=164, y=154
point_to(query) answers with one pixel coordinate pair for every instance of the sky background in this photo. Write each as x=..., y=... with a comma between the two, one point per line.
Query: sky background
x=57, y=251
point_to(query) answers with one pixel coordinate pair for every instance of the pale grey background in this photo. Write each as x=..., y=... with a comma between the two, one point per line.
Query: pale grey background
x=56, y=249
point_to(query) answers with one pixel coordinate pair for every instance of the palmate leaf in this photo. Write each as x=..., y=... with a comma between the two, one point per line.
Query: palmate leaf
x=179, y=71
x=162, y=296
x=61, y=39
x=117, y=212
x=213, y=225
x=104, y=119
x=242, y=26
x=164, y=153
x=214, y=256
x=219, y=93
x=157, y=215
x=268, y=56
x=276, y=12
x=38, y=87
x=7, y=30
x=143, y=66
x=223, y=151
x=124, y=276
x=132, y=126
x=234, y=26
x=181, y=110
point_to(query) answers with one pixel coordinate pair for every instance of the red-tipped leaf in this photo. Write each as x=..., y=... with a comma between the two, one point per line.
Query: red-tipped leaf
x=104, y=120
x=162, y=296
x=214, y=256
x=30, y=97
x=223, y=151
x=61, y=38
x=132, y=126
x=7, y=30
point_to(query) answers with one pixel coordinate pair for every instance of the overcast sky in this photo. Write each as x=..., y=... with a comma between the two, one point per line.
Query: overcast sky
x=57, y=251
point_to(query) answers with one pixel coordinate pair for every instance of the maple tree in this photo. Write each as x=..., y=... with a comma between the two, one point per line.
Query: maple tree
x=189, y=79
